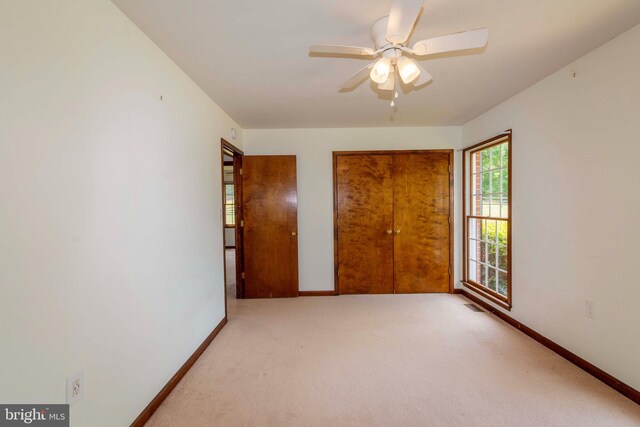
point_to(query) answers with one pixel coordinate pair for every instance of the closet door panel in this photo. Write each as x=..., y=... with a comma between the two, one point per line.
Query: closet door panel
x=421, y=222
x=364, y=202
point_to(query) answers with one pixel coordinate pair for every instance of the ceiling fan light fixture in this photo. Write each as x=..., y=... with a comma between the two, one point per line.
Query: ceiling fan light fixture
x=408, y=70
x=390, y=36
x=380, y=71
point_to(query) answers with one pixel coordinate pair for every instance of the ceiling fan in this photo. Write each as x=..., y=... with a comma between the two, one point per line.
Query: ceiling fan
x=390, y=34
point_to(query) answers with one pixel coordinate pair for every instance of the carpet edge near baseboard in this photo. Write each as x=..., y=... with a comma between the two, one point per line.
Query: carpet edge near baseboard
x=155, y=403
x=619, y=386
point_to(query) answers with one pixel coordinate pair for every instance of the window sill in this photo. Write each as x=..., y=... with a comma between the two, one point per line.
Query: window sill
x=478, y=290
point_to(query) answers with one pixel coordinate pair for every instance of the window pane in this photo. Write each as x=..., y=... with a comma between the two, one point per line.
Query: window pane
x=495, y=156
x=491, y=254
x=484, y=230
x=473, y=249
x=502, y=257
x=491, y=279
x=474, y=229
x=496, y=185
x=476, y=166
x=486, y=178
x=229, y=215
x=483, y=275
x=491, y=249
x=503, y=229
x=505, y=206
x=228, y=193
x=495, y=206
x=476, y=208
x=474, y=271
x=502, y=283
x=505, y=181
x=491, y=231
x=228, y=174
x=485, y=159
x=505, y=154
x=486, y=205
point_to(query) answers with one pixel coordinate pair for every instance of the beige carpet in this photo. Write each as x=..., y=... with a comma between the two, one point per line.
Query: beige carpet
x=392, y=360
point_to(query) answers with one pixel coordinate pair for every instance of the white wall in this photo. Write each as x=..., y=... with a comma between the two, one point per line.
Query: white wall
x=576, y=171
x=313, y=148
x=110, y=244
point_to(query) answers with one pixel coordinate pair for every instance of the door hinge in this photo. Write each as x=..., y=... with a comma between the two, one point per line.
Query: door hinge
x=243, y=274
x=240, y=170
x=449, y=271
x=449, y=220
x=242, y=223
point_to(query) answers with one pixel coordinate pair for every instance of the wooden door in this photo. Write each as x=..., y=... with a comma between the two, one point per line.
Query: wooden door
x=228, y=149
x=270, y=210
x=421, y=222
x=364, y=217
x=239, y=239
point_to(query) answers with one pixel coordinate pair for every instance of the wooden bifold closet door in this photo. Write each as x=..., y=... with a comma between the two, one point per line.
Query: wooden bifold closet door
x=392, y=221
x=365, y=224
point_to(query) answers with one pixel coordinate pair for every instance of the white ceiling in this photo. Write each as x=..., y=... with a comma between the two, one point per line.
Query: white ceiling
x=251, y=56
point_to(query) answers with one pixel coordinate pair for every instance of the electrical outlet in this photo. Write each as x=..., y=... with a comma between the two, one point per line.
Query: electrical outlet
x=75, y=387
x=589, y=310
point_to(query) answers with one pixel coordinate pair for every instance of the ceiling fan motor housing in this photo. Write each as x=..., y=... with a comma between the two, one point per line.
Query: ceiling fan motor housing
x=378, y=34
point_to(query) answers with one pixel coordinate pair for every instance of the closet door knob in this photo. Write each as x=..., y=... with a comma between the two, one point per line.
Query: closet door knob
x=398, y=231
x=389, y=231
x=293, y=233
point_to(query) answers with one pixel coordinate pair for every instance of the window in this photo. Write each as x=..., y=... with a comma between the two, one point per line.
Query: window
x=229, y=196
x=229, y=206
x=487, y=219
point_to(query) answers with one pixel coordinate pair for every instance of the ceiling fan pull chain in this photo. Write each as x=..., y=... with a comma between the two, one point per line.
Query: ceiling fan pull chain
x=394, y=96
x=397, y=84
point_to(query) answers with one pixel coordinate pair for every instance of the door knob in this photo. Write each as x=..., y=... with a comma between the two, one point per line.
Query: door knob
x=293, y=233
x=389, y=231
x=398, y=231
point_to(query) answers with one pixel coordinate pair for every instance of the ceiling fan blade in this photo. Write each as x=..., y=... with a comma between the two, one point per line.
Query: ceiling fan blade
x=423, y=78
x=390, y=83
x=452, y=42
x=402, y=18
x=357, y=78
x=341, y=50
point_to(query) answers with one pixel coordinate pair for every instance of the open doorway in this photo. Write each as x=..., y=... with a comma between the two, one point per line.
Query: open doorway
x=232, y=219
